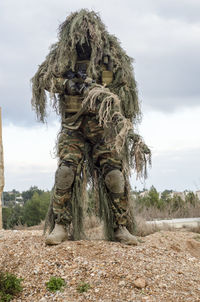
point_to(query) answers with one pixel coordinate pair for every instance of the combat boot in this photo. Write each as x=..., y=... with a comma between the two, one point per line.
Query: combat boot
x=122, y=235
x=58, y=235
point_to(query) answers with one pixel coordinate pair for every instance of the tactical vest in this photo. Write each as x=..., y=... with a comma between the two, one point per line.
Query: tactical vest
x=73, y=103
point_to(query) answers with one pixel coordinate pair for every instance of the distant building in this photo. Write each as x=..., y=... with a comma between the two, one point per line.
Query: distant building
x=198, y=194
x=144, y=194
x=19, y=200
x=182, y=195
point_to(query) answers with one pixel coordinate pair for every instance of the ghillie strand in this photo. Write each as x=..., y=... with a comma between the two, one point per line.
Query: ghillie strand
x=108, y=105
x=139, y=156
x=78, y=28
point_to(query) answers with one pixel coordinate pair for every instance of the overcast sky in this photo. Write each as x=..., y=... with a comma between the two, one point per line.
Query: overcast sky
x=164, y=39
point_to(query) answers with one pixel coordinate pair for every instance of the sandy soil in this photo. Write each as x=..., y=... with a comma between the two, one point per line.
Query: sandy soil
x=164, y=267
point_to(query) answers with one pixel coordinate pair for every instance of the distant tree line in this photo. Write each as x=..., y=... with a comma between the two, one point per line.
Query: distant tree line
x=149, y=204
x=166, y=204
x=32, y=212
x=10, y=197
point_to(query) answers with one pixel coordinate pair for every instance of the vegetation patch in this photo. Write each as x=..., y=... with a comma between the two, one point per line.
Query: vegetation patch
x=30, y=212
x=166, y=205
x=55, y=284
x=10, y=285
x=83, y=287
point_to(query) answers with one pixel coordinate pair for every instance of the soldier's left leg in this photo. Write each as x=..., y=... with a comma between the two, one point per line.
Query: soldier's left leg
x=111, y=166
x=115, y=184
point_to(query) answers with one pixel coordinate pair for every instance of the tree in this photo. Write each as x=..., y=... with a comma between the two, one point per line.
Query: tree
x=9, y=196
x=35, y=209
x=32, y=213
x=177, y=203
x=6, y=213
x=191, y=198
x=15, y=217
x=166, y=195
x=151, y=199
x=154, y=199
x=27, y=195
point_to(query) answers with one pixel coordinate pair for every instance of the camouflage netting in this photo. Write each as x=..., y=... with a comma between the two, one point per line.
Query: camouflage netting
x=121, y=94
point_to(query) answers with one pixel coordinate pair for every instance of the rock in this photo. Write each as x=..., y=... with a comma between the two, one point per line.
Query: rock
x=140, y=283
x=146, y=299
x=122, y=283
x=176, y=248
x=133, y=295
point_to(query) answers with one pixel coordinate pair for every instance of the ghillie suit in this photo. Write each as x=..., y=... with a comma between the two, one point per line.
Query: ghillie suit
x=90, y=80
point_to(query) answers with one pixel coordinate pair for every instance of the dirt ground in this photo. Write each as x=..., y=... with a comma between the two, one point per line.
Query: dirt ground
x=165, y=266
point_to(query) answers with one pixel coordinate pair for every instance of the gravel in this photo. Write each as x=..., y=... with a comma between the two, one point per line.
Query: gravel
x=164, y=267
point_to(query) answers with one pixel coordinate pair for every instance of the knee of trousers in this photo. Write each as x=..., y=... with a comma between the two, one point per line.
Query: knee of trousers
x=115, y=182
x=64, y=177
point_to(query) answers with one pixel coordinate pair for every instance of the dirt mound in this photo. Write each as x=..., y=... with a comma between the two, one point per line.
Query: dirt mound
x=164, y=267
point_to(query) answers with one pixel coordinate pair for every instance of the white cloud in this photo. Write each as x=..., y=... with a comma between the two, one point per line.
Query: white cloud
x=29, y=156
x=175, y=143
x=175, y=170
x=176, y=131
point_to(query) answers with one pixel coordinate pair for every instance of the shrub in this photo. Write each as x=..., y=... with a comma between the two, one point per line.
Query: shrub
x=32, y=213
x=6, y=214
x=143, y=228
x=83, y=287
x=55, y=283
x=35, y=209
x=14, y=216
x=10, y=285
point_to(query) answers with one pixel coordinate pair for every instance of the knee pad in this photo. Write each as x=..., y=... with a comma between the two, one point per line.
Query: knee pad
x=115, y=181
x=64, y=177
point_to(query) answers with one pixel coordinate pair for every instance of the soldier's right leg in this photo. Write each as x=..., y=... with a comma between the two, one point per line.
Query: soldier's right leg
x=70, y=150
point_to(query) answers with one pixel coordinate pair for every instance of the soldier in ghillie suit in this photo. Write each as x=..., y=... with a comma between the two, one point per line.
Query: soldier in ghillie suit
x=90, y=79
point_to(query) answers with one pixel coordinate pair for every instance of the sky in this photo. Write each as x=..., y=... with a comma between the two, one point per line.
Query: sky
x=163, y=37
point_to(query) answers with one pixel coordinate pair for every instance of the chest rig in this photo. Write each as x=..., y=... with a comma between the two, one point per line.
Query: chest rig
x=78, y=83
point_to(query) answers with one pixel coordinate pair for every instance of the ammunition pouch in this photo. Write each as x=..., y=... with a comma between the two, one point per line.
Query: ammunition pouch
x=82, y=66
x=73, y=104
x=106, y=77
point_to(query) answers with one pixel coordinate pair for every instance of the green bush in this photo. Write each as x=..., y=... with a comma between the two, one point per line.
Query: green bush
x=10, y=285
x=27, y=195
x=55, y=283
x=15, y=217
x=32, y=213
x=35, y=209
x=83, y=287
x=150, y=200
x=6, y=214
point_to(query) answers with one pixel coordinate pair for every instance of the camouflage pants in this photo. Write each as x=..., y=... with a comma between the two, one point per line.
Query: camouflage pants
x=71, y=147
